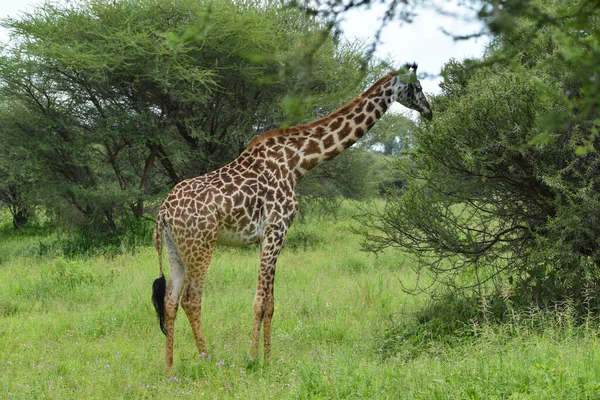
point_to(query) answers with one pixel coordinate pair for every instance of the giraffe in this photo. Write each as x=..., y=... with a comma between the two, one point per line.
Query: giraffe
x=252, y=200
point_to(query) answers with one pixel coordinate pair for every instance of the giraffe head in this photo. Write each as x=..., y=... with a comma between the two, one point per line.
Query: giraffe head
x=410, y=92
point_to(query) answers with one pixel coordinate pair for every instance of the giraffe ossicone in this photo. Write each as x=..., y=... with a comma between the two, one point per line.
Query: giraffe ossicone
x=252, y=200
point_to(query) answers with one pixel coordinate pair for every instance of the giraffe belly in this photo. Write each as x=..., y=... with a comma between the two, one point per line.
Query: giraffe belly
x=250, y=235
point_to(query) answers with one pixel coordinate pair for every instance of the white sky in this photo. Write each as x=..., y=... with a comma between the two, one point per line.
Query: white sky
x=422, y=41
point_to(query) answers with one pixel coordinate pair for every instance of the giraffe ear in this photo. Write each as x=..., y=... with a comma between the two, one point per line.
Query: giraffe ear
x=409, y=72
x=411, y=66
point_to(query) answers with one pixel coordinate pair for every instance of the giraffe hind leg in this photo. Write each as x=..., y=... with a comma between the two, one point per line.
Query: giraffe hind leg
x=174, y=287
x=191, y=302
x=197, y=264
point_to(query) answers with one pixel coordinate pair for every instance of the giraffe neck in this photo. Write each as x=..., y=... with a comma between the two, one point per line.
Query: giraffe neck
x=303, y=147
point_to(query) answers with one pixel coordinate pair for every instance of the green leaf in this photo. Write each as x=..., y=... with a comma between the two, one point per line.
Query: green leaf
x=540, y=139
x=583, y=150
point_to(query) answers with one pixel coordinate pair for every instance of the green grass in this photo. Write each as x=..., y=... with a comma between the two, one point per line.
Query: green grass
x=85, y=328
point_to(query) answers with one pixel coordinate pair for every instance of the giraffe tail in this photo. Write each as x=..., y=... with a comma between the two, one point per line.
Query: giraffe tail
x=159, y=287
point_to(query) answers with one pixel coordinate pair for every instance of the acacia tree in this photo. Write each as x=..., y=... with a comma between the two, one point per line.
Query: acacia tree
x=118, y=101
x=13, y=195
x=503, y=183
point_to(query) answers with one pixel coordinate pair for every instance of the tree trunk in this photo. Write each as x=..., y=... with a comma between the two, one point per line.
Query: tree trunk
x=20, y=218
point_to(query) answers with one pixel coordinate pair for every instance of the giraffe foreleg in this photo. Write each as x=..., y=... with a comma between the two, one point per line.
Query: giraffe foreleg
x=264, y=302
x=268, y=316
x=256, y=323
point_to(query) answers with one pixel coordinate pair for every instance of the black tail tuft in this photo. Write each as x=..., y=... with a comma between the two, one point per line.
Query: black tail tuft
x=159, y=287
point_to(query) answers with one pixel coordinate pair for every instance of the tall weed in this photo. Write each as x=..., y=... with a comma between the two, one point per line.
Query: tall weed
x=132, y=235
x=457, y=321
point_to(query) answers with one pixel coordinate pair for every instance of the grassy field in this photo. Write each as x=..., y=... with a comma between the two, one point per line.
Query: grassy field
x=84, y=328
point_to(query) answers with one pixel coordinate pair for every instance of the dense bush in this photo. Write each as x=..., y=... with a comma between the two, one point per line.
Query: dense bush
x=503, y=197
